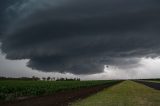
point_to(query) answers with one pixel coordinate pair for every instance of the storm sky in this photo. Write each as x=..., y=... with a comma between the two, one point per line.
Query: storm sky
x=80, y=37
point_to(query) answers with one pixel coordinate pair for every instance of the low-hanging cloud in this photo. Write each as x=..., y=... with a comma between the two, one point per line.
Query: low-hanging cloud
x=81, y=36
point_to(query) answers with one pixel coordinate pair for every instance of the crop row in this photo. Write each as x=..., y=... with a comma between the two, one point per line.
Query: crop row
x=10, y=90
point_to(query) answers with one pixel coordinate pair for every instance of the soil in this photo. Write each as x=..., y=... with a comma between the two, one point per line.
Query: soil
x=60, y=98
x=150, y=84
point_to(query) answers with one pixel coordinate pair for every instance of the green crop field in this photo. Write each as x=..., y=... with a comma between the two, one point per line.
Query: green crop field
x=127, y=93
x=12, y=89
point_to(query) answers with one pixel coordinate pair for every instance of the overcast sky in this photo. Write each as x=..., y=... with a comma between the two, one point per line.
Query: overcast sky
x=77, y=38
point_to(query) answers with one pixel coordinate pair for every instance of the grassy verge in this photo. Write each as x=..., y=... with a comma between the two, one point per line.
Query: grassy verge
x=127, y=93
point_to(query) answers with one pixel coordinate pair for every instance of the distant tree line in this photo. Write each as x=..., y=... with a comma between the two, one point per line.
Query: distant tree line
x=154, y=79
x=21, y=78
x=66, y=79
x=60, y=79
x=34, y=78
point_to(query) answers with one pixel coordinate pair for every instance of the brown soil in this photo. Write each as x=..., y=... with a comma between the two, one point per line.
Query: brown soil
x=60, y=98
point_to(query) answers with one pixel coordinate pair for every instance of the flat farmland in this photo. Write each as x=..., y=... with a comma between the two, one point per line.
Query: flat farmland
x=153, y=84
x=13, y=89
x=79, y=93
x=156, y=81
x=127, y=93
x=45, y=93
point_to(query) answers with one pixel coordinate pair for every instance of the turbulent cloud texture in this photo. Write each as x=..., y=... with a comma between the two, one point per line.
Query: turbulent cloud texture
x=81, y=36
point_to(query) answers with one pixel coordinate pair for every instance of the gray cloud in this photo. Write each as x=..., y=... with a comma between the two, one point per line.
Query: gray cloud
x=81, y=36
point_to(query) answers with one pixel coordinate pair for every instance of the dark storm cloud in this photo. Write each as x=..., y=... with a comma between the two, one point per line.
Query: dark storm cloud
x=80, y=36
x=3, y=5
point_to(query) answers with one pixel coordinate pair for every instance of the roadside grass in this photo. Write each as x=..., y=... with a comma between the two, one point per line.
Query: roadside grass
x=127, y=93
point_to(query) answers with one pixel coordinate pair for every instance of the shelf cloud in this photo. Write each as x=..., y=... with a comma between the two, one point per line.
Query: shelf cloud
x=81, y=36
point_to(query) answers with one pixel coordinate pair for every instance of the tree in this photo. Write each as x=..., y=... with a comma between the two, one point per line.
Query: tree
x=43, y=78
x=48, y=78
